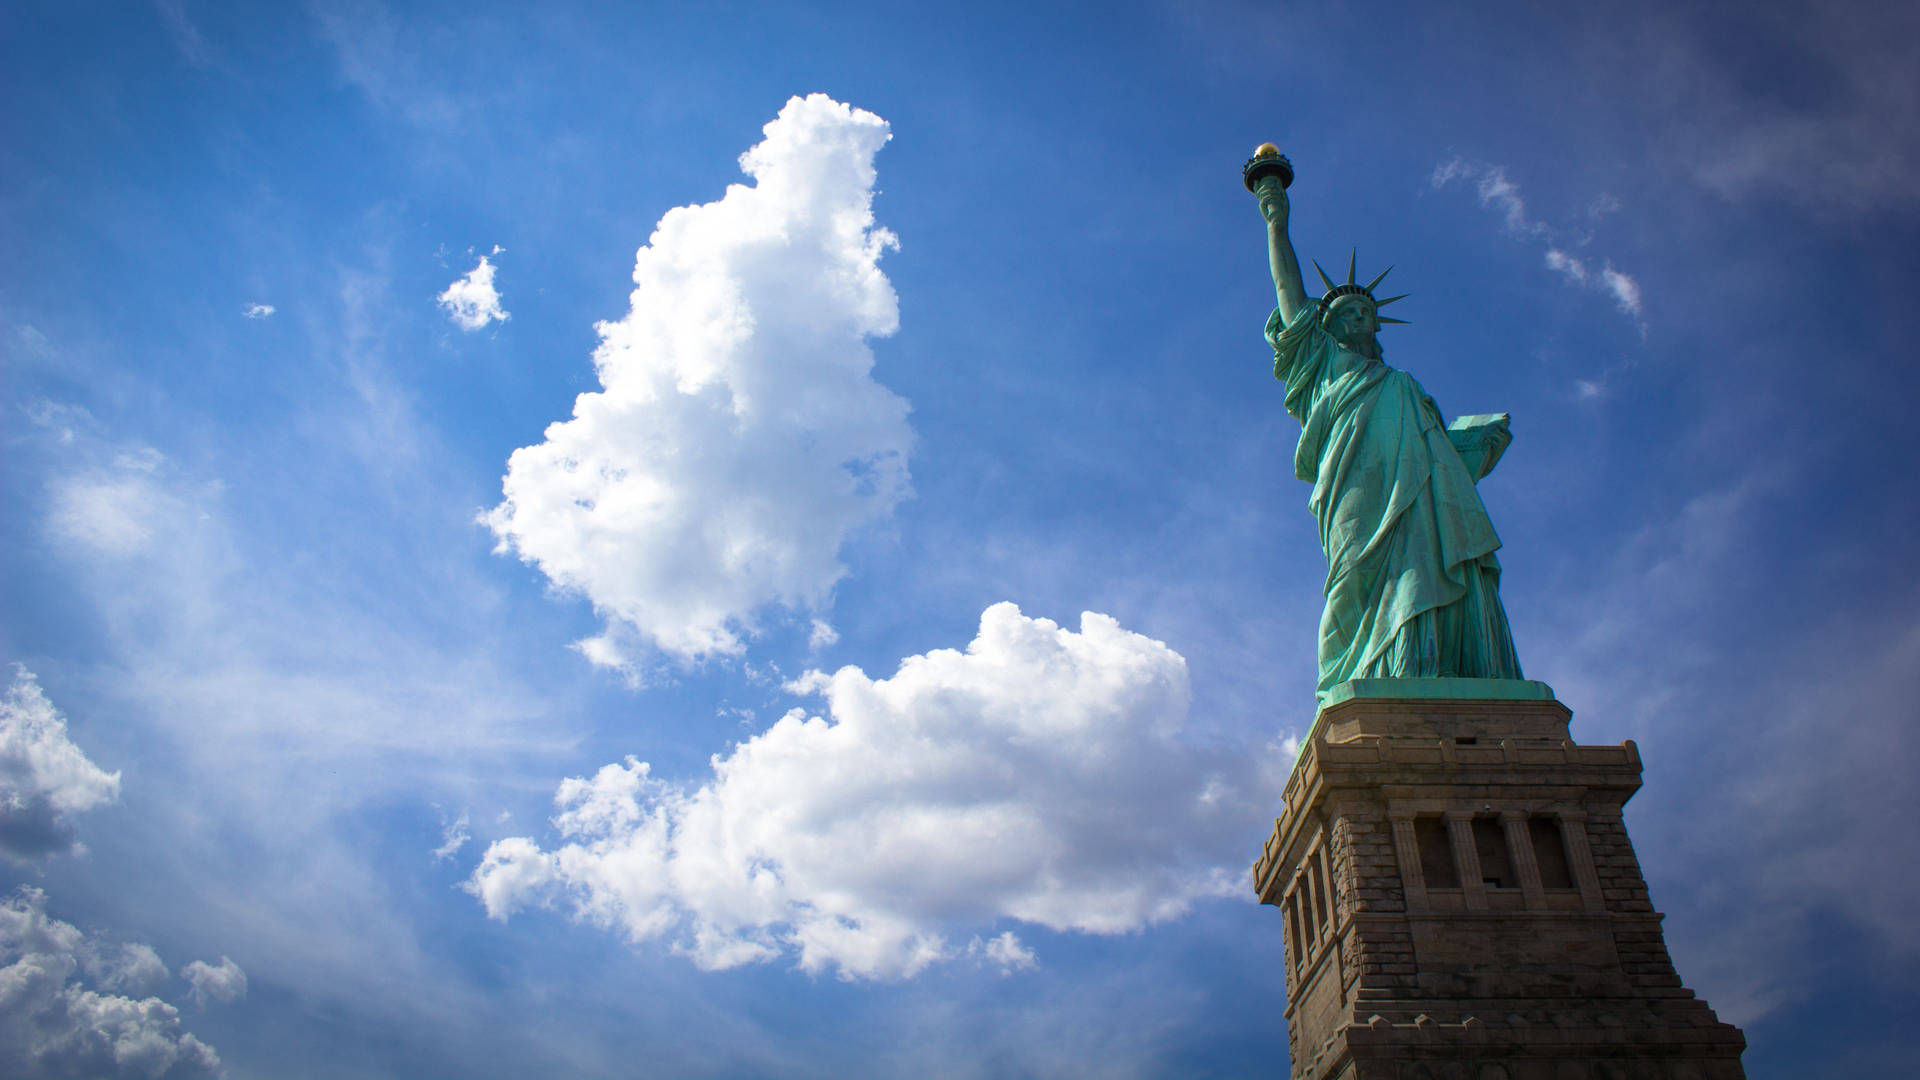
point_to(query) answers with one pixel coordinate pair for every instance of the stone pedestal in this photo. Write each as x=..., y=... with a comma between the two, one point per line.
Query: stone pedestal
x=1460, y=900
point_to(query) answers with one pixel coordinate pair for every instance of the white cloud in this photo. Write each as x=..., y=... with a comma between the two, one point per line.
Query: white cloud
x=1040, y=776
x=224, y=982
x=452, y=838
x=53, y=1025
x=1622, y=287
x=472, y=302
x=44, y=778
x=1497, y=191
x=132, y=967
x=258, y=311
x=739, y=437
x=1003, y=951
x=1573, y=267
x=822, y=636
x=1625, y=290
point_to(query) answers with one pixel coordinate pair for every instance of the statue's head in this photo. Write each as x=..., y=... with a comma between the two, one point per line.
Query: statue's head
x=1349, y=311
x=1351, y=319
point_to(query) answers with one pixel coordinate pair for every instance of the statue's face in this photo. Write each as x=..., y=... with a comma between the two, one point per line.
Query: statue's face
x=1351, y=320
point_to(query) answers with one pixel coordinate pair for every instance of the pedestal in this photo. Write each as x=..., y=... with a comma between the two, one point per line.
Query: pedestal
x=1460, y=900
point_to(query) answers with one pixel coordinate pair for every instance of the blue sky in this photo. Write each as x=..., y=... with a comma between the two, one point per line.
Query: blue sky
x=333, y=745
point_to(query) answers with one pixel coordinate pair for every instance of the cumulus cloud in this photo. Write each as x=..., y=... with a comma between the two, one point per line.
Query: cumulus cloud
x=258, y=311
x=1039, y=776
x=739, y=437
x=471, y=301
x=53, y=1025
x=1498, y=192
x=132, y=967
x=44, y=778
x=224, y=982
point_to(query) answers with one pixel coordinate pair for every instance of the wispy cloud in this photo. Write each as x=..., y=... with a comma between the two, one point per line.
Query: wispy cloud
x=186, y=36
x=453, y=837
x=383, y=61
x=1497, y=191
x=258, y=311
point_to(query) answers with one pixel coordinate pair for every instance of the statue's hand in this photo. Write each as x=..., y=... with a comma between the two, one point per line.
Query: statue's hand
x=1273, y=201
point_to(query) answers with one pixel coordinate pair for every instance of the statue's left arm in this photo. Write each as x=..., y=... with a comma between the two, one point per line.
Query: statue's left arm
x=1481, y=440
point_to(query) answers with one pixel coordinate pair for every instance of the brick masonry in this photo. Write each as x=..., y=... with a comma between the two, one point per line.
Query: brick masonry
x=1460, y=901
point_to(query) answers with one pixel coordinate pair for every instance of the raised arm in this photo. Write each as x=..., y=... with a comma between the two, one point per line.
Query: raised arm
x=1287, y=285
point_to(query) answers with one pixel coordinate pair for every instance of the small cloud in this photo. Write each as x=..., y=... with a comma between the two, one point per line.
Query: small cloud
x=453, y=837
x=1287, y=745
x=1625, y=290
x=808, y=683
x=1005, y=952
x=1447, y=172
x=1590, y=389
x=821, y=636
x=223, y=983
x=258, y=311
x=1561, y=262
x=472, y=302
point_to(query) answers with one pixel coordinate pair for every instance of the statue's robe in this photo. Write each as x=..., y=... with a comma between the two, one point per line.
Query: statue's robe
x=1413, y=585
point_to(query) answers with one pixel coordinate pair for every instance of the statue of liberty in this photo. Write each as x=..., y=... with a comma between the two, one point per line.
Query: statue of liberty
x=1413, y=585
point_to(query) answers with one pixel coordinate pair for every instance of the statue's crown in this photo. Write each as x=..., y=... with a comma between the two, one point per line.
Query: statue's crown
x=1348, y=288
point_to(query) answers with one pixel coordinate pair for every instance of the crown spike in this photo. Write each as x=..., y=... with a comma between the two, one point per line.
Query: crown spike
x=1352, y=260
x=1378, y=280
x=1390, y=299
x=1323, y=274
x=1384, y=319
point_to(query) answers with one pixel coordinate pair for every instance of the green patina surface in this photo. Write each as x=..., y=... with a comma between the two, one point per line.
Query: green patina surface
x=1450, y=689
x=1413, y=584
x=1434, y=689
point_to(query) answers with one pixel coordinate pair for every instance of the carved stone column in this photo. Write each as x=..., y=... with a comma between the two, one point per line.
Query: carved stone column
x=1520, y=853
x=1406, y=848
x=1573, y=829
x=1466, y=859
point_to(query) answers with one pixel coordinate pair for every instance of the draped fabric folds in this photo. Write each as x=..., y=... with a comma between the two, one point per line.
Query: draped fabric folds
x=1413, y=585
